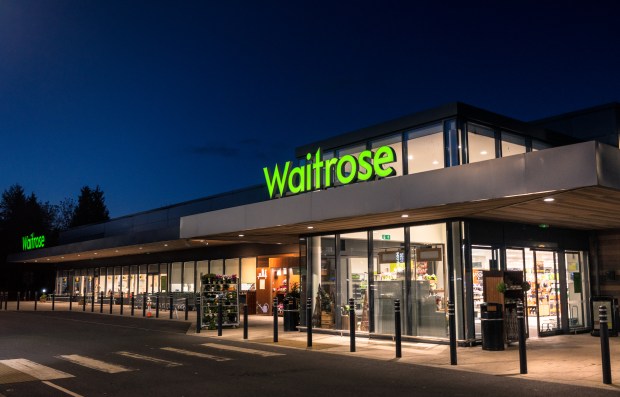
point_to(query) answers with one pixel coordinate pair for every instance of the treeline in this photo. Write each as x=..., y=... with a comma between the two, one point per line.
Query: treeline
x=24, y=214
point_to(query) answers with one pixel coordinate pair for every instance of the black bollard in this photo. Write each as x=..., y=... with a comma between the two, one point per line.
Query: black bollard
x=309, y=321
x=1, y=299
x=92, y=302
x=35, y=300
x=198, y=314
x=352, y=324
x=397, y=333
x=171, y=302
x=605, y=357
x=121, y=302
x=84, y=303
x=144, y=304
x=70, y=302
x=53, y=301
x=6, y=300
x=111, y=301
x=186, y=307
x=275, y=319
x=133, y=302
x=245, y=321
x=157, y=305
x=18, y=293
x=101, y=302
x=220, y=317
x=452, y=325
x=522, y=347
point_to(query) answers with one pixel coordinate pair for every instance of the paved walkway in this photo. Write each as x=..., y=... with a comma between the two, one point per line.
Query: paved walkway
x=567, y=359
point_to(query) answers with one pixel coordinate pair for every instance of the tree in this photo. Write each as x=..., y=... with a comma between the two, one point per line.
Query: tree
x=90, y=208
x=63, y=214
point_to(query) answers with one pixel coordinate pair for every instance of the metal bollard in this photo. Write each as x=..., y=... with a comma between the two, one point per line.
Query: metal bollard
x=198, y=314
x=220, y=317
x=186, y=307
x=452, y=324
x=133, y=303
x=605, y=357
x=84, y=302
x=70, y=302
x=18, y=300
x=92, y=302
x=101, y=302
x=121, y=302
x=275, y=319
x=397, y=333
x=111, y=301
x=171, y=302
x=53, y=301
x=144, y=304
x=36, y=298
x=6, y=299
x=351, y=325
x=245, y=321
x=522, y=347
x=1, y=299
x=157, y=305
x=309, y=321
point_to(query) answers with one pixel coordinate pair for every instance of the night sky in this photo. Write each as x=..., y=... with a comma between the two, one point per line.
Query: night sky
x=160, y=102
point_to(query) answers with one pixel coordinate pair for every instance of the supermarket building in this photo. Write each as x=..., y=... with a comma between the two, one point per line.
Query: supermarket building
x=412, y=209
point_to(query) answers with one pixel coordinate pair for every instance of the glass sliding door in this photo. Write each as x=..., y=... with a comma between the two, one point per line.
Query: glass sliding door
x=389, y=276
x=482, y=258
x=353, y=279
x=576, y=288
x=547, y=291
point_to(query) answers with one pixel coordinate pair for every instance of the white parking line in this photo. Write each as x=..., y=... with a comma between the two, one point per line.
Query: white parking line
x=35, y=370
x=62, y=389
x=150, y=359
x=196, y=354
x=242, y=350
x=95, y=364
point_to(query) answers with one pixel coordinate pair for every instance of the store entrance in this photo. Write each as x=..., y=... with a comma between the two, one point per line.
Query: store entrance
x=152, y=283
x=276, y=277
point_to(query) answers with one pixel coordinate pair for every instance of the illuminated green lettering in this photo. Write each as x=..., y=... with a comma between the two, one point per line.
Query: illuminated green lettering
x=384, y=155
x=32, y=242
x=278, y=179
x=340, y=169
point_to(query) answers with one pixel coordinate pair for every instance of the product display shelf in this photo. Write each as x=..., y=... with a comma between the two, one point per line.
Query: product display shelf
x=218, y=289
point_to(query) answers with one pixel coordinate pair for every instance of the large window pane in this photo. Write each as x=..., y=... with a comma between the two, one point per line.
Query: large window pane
x=188, y=276
x=481, y=143
x=512, y=144
x=202, y=268
x=429, y=284
x=324, y=281
x=396, y=143
x=248, y=273
x=232, y=267
x=175, y=277
x=389, y=276
x=217, y=266
x=425, y=149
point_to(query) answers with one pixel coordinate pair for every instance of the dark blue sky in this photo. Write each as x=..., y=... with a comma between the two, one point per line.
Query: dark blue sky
x=163, y=102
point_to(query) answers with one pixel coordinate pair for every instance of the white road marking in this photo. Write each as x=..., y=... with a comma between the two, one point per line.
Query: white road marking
x=35, y=370
x=95, y=364
x=62, y=389
x=196, y=354
x=242, y=350
x=151, y=359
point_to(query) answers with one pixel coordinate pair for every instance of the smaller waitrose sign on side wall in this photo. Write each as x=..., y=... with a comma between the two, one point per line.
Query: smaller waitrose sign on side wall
x=32, y=242
x=347, y=169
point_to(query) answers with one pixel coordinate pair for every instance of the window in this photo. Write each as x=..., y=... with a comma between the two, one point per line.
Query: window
x=353, y=279
x=389, y=276
x=396, y=143
x=481, y=143
x=512, y=144
x=425, y=149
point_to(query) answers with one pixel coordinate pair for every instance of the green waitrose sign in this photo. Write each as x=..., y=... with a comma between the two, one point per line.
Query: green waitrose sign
x=347, y=169
x=32, y=242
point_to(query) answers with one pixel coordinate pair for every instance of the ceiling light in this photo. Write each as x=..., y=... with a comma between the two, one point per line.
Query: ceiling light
x=548, y=199
x=140, y=248
x=435, y=162
x=48, y=259
x=410, y=157
x=95, y=253
x=165, y=245
x=484, y=152
x=404, y=216
x=241, y=235
x=62, y=257
x=115, y=250
x=310, y=227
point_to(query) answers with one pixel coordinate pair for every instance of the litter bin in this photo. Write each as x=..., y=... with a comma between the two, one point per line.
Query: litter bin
x=492, y=324
x=291, y=315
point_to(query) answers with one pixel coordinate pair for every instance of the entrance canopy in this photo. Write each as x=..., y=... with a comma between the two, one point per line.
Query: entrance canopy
x=575, y=186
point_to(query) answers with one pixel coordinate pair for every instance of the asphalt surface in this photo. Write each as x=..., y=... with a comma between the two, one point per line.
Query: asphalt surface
x=158, y=358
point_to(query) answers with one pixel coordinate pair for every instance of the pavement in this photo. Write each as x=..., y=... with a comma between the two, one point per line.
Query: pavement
x=565, y=359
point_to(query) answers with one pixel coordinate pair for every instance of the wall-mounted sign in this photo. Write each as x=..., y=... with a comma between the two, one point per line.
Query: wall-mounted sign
x=318, y=173
x=32, y=242
x=386, y=237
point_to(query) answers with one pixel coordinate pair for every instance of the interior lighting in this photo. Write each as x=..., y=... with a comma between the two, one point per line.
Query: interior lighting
x=435, y=162
x=241, y=235
x=404, y=216
x=140, y=248
x=310, y=227
x=410, y=157
x=484, y=152
x=165, y=245
x=548, y=199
